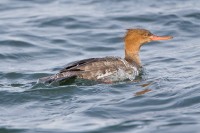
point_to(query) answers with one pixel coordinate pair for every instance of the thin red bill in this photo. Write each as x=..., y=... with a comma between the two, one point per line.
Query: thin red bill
x=157, y=38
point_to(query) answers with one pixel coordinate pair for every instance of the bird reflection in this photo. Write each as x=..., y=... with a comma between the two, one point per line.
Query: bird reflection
x=139, y=93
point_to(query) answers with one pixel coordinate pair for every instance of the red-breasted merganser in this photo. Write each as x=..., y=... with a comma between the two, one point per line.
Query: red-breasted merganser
x=110, y=69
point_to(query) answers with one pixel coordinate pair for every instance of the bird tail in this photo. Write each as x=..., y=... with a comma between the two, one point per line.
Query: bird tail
x=58, y=78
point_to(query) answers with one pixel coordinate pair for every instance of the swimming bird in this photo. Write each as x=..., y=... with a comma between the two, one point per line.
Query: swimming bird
x=109, y=69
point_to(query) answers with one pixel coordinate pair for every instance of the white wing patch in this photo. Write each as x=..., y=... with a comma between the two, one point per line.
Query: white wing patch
x=120, y=74
x=104, y=75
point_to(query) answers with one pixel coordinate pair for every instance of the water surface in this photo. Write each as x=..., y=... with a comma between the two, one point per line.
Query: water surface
x=39, y=37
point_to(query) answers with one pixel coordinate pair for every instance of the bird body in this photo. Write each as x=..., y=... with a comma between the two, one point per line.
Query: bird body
x=109, y=69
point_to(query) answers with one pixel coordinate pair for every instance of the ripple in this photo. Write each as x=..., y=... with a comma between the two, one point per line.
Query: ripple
x=15, y=43
x=48, y=22
x=195, y=15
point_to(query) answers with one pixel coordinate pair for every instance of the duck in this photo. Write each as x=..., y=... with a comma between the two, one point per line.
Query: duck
x=109, y=69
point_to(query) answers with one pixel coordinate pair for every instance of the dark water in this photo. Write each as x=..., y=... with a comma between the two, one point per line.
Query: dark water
x=38, y=37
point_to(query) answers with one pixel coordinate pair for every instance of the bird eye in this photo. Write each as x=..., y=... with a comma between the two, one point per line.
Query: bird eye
x=147, y=34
